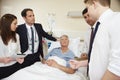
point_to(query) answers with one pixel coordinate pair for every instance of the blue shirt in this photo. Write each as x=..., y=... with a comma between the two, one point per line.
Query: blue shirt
x=66, y=56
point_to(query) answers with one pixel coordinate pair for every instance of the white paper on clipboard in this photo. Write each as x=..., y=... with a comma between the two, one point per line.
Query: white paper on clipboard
x=18, y=56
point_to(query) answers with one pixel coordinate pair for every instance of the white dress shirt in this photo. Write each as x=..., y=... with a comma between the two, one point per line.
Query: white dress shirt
x=36, y=40
x=87, y=41
x=9, y=50
x=105, y=53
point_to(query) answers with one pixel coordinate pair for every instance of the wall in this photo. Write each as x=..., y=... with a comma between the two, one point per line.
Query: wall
x=0, y=7
x=115, y=5
x=42, y=8
x=59, y=8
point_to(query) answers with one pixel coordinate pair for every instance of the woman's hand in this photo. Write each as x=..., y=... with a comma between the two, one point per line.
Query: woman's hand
x=6, y=60
x=20, y=60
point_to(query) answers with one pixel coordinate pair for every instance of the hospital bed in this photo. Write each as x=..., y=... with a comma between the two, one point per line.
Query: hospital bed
x=38, y=71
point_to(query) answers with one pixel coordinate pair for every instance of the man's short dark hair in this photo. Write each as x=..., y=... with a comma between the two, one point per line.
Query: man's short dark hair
x=23, y=13
x=84, y=11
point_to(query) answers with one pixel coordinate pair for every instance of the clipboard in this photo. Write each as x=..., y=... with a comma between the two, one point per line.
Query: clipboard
x=18, y=56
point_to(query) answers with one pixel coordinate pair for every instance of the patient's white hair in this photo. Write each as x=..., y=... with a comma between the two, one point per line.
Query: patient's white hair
x=64, y=36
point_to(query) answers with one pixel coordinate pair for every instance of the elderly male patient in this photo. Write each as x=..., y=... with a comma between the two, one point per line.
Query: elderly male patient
x=63, y=53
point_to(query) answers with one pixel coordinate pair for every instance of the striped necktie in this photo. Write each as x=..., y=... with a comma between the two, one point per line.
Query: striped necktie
x=32, y=38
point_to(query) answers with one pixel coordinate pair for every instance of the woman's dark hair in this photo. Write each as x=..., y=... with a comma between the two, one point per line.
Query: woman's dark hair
x=5, y=28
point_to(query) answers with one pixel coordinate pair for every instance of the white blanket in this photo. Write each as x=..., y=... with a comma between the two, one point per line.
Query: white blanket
x=39, y=71
x=58, y=60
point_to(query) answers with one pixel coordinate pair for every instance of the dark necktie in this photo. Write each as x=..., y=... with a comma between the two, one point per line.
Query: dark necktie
x=91, y=43
x=91, y=37
x=32, y=38
x=92, y=40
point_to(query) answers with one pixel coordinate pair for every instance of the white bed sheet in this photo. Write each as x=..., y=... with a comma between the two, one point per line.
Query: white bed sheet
x=40, y=71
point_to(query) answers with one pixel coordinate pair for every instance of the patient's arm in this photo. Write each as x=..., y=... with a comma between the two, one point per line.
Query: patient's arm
x=53, y=63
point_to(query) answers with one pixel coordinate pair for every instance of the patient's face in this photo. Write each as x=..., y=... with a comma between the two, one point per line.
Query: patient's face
x=64, y=41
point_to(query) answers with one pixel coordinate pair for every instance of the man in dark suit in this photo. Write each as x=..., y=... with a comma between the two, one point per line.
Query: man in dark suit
x=26, y=38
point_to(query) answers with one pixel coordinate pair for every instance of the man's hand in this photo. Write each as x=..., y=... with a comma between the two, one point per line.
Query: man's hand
x=76, y=64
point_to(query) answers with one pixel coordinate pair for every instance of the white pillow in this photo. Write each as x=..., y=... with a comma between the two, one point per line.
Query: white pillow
x=74, y=45
x=53, y=45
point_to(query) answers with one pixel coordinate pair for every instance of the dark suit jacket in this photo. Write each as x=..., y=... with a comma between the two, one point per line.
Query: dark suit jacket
x=22, y=31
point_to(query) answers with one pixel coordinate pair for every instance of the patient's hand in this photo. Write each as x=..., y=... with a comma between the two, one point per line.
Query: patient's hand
x=48, y=62
x=54, y=63
x=51, y=63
